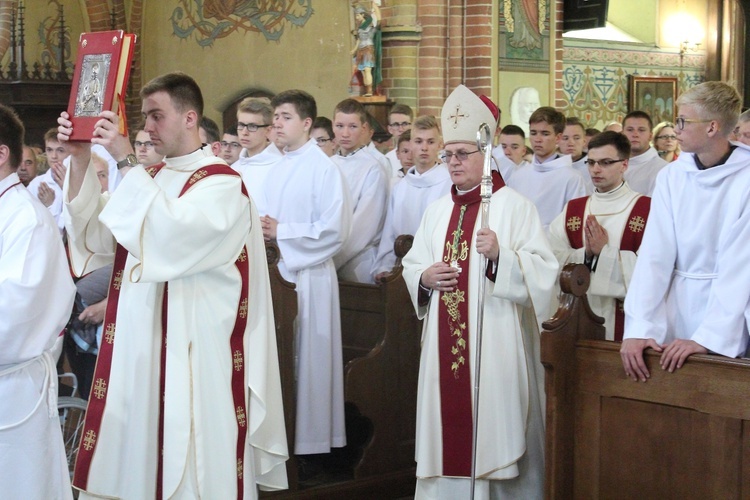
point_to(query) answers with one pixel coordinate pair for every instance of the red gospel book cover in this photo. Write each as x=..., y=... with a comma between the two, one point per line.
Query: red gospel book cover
x=100, y=80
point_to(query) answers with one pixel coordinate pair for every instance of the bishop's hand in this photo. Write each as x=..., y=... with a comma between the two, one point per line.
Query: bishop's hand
x=487, y=244
x=440, y=276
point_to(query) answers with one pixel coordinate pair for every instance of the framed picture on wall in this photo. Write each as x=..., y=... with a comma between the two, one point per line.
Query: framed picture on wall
x=655, y=95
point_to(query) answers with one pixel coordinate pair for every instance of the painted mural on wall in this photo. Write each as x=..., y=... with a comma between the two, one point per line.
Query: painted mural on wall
x=524, y=35
x=206, y=21
x=48, y=33
x=595, y=79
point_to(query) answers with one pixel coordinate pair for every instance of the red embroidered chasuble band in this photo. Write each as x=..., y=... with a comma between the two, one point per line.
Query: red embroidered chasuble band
x=95, y=411
x=453, y=336
x=632, y=235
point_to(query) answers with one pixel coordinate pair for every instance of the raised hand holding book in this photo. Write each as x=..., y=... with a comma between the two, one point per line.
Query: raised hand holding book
x=100, y=80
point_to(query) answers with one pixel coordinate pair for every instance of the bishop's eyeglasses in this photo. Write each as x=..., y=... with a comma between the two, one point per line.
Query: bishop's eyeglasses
x=447, y=156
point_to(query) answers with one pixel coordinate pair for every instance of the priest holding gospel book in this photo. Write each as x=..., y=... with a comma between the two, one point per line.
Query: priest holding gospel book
x=442, y=272
x=189, y=321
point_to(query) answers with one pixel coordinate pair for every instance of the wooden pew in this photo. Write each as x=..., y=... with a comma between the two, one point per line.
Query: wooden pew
x=680, y=435
x=284, y=298
x=381, y=343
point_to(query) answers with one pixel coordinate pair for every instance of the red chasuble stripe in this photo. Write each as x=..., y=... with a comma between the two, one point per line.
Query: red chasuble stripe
x=453, y=337
x=574, y=221
x=236, y=346
x=632, y=235
x=99, y=390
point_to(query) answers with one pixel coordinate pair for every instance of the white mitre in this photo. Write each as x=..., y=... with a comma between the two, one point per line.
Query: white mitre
x=462, y=115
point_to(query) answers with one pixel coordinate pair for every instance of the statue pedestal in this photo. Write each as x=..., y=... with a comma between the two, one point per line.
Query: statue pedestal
x=371, y=99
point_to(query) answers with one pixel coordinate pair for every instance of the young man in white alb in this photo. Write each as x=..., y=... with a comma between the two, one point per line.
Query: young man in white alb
x=644, y=163
x=690, y=288
x=549, y=181
x=230, y=146
x=258, y=155
x=424, y=183
x=310, y=218
x=368, y=190
x=512, y=145
x=572, y=143
x=399, y=121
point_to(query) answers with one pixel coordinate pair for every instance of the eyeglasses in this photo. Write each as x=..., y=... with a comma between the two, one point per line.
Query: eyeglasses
x=667, y=137
x=233, y=145
x=680, y=122
x=148, y=144
x=321, y=140
x=602, y=163
x=251, y=127
x=447, y=156
x=399, y=125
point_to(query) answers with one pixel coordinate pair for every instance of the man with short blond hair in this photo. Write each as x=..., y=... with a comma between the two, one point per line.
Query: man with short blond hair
x=424, y=183
x=690, y=288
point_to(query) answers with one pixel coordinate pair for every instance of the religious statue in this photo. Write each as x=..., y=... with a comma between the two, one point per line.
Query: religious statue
x=368, y=50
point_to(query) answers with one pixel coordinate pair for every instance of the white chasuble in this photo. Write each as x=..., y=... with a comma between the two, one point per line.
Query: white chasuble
x=511, y=430
x=189, y=243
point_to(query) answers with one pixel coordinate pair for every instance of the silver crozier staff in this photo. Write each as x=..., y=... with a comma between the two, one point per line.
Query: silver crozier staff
x=484, y=143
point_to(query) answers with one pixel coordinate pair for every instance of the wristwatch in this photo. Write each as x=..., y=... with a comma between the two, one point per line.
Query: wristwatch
x=129, y=161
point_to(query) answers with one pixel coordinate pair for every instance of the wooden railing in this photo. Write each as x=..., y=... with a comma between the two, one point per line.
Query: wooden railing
x=680, y=435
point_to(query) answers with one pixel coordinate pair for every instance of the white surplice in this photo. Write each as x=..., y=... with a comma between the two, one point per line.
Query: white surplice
x=583, y=169
x=308, y=197
x=395, y=164
x=642, y=171
x=549, y=185
x=191, y=243
x=614, y=267
x=368, y=191
x=382, y=159
x=511, y=412
x=505, y=165
x=56, y=207
x=408, y=201
x=691, y=279
x=36, y=299
x=254, y=170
